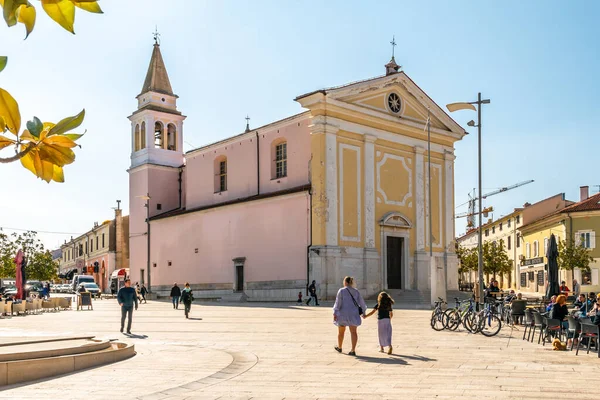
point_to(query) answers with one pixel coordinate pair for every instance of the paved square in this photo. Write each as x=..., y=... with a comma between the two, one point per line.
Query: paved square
x=283, y=351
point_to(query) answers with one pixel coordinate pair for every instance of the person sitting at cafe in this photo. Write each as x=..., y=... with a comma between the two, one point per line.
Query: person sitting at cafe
x=580, y=306
x=82, y=289
x=595, y=311
x=564, y=289
x=510, y=297
x=552, y=302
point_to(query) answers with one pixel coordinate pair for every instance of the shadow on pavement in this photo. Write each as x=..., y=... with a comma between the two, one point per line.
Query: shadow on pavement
x=195, y=319
x=135, y=336
x=382, y=360
x=416, y=358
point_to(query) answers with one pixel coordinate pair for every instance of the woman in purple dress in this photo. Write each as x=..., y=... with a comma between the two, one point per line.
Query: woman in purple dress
x=348, y=309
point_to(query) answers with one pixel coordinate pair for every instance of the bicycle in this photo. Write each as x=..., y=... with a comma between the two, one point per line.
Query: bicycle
x=437, y=315
x=487, y=320
x=463, y=313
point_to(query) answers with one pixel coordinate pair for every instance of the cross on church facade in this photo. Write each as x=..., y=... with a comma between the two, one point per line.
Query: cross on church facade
x=393, y=43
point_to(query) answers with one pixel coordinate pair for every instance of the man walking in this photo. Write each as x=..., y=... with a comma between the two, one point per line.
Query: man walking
x=143, y=291
x=175, y=295
x=126, y=298
x=186, y=298
x=312, y=291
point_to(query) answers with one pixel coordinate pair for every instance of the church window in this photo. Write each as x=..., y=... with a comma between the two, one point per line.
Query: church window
x=137, y=139
x=221, y=174
x=171, y=137
x=281, y=160
x=394, y=103
x=158, y=135
x=143, y=136
x=159, y=206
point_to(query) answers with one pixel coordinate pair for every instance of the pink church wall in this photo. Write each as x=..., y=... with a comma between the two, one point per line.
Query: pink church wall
x=272, y=234
x=241, y=164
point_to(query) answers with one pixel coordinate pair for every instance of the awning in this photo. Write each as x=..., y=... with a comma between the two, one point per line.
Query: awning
x=119, y=272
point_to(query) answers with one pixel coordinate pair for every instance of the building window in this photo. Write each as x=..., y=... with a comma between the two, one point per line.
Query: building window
x=545, y=245
x=527, y=250
x=103, y=240
x=96, y=242
x=159, y=141
x=220, y=166
x=86, y=247
x=143, y=136
x=136, y=138
x=394, y=103
x=508, y=223
x=91, y=245
x=493, y=229
x=518, y=221
x=487, y=232
x=508, y=244
x=586, y=278
x=518, y=240
x=281, y=160
x=171, y=137
x=587, y=239
x=159, y=206
x=536, y=249
x=500, y=226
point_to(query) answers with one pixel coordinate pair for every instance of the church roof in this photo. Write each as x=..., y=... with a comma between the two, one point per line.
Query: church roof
x=157, y=79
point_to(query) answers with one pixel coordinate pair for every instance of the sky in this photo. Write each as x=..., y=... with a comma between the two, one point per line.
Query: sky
x=537, y=61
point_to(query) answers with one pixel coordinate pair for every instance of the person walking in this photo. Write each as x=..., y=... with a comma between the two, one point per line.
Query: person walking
x=175, y=295
x=576, y=288
x=186, y=298
x=348, y=309
x=384, y=320
x=127, y=297
x=143, y=292
x=312, y=291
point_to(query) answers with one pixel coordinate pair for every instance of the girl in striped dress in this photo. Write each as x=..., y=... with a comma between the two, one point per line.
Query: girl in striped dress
x=384, y=320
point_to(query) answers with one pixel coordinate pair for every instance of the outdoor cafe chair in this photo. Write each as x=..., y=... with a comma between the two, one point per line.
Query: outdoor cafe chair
x=6, y=308
x=517, y=309
x=19, y=308
x=589, y=332
x=538, y=323
x=574, y=329
x=528, y=323
x=551, y=326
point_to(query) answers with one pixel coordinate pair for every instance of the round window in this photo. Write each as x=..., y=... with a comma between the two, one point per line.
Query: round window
x=163, y=99
x=394, y=103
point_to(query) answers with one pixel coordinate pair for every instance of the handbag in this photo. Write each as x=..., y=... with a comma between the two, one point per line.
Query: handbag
x=360, y=310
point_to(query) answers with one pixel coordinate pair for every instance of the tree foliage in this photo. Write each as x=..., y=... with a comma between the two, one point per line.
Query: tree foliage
x=468, y=259
x=572, y=255
x=43, y=148
x=495, y=259
x=40, y=265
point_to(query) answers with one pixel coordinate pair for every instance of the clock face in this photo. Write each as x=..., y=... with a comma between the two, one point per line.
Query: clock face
x=394, y=103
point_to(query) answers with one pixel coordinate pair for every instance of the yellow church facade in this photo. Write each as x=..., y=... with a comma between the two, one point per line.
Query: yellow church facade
x=370, y=187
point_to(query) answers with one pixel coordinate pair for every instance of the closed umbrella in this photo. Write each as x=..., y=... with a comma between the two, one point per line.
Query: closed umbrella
x=552, y=255
x=19, y=274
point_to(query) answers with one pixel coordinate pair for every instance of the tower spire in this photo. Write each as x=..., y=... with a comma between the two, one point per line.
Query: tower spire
x=247, y=124
x=157, y=79
x=392, y=67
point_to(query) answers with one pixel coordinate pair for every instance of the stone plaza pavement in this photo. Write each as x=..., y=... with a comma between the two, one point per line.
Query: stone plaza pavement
x=284, y=351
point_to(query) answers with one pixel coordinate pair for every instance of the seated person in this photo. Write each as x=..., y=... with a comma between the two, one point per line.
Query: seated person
x=564, y=289
x=580, y=306
x=510, y=297
x=81, y=289
x=595, y=311
x=518, y=307
x=552, y=302
x=591, y=300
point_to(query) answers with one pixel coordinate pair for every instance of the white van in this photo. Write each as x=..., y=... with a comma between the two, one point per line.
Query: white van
x=79, y=279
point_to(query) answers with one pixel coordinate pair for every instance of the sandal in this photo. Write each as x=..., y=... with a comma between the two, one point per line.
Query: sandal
x=338, y=349
x=390, y=350
x=352, y=353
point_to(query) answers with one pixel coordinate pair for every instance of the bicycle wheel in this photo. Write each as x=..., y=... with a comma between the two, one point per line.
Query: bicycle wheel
x=437, y=320
x=451, y=319
x=490, y=325
x=469, y=322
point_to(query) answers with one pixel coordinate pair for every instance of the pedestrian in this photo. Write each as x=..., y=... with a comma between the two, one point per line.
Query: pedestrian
x=143, y=291
x=576, y=288
x=137, y=291
x=127, y=297
x=186, y=298
x=299, y=298
x=312, y=291
x=384, y=320
x=175, y=295
x=348, y=309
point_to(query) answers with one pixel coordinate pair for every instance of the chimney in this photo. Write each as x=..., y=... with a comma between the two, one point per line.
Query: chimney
x=584, y=193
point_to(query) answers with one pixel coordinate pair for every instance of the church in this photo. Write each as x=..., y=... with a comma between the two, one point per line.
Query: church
x=339, y=189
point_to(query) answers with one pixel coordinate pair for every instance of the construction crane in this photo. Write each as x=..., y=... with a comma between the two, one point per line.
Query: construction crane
x=471, y=213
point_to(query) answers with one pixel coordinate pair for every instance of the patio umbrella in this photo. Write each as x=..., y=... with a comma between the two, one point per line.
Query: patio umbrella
x=552, y=255
x=19, y=274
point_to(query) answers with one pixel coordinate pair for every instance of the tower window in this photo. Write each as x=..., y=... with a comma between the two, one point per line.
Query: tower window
x=171, y=137
x=158, y=135
x=143, y=136
x=137, y=139
x=221, y=174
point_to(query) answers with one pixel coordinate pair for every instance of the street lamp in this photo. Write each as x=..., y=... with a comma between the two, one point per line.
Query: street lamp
x=147, y=205
x=470, y=106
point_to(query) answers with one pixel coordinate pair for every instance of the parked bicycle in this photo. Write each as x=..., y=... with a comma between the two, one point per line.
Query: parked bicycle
x=437, y=315
x=463, y=313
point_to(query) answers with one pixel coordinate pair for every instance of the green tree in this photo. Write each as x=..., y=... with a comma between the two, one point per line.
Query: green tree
x=40, y=265
x=495, y=259
x=44, y=148
x=468, y=259
x=573, y=255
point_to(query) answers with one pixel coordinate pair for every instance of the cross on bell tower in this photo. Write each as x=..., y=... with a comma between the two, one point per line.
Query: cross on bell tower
x=392, y=67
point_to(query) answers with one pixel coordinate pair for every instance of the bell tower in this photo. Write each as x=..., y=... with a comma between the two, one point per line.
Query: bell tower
x=156, y=163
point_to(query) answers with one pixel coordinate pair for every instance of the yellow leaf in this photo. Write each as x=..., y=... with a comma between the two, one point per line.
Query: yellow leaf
x=56, y=154
x=58, y=174
x=5, y=142
x=90, y=6
x=26, y=16
x=2, y=123
x=27, y=160
x=67, y=124
x=9, y=110
x=47, y=171
x=61, y=11
x=60, y=140
x=26, y=135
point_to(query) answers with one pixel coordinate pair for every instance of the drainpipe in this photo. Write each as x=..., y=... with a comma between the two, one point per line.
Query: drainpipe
x=257, y=166
x=180, y=174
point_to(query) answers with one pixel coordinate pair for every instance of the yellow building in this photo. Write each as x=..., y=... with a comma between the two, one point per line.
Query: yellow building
x=369, y=178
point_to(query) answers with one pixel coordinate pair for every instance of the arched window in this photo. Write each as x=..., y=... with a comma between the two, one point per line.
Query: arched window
x=279, y=157
x=171, y=137
x=535, y=249
x=159, y=139
x=136, y=138
x=143, y=136
x=527, y=250
x=220, y=174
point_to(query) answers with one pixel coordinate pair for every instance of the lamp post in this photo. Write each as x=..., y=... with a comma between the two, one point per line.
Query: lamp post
x=147, y=205
x=470, y=106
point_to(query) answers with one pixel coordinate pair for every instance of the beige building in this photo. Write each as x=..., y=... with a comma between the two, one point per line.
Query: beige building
x=99, y=252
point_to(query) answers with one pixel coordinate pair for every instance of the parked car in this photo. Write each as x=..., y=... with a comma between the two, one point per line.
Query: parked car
x=79, y=279
x=92, y=288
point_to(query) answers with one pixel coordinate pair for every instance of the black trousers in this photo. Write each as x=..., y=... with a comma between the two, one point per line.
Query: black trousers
x=313, y=295
x=188, y=307
x=126, y=311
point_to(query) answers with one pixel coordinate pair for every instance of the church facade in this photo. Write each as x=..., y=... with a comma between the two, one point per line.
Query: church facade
x=339, y=189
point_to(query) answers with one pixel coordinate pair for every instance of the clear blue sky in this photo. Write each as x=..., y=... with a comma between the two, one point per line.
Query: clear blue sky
x=537, y=61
